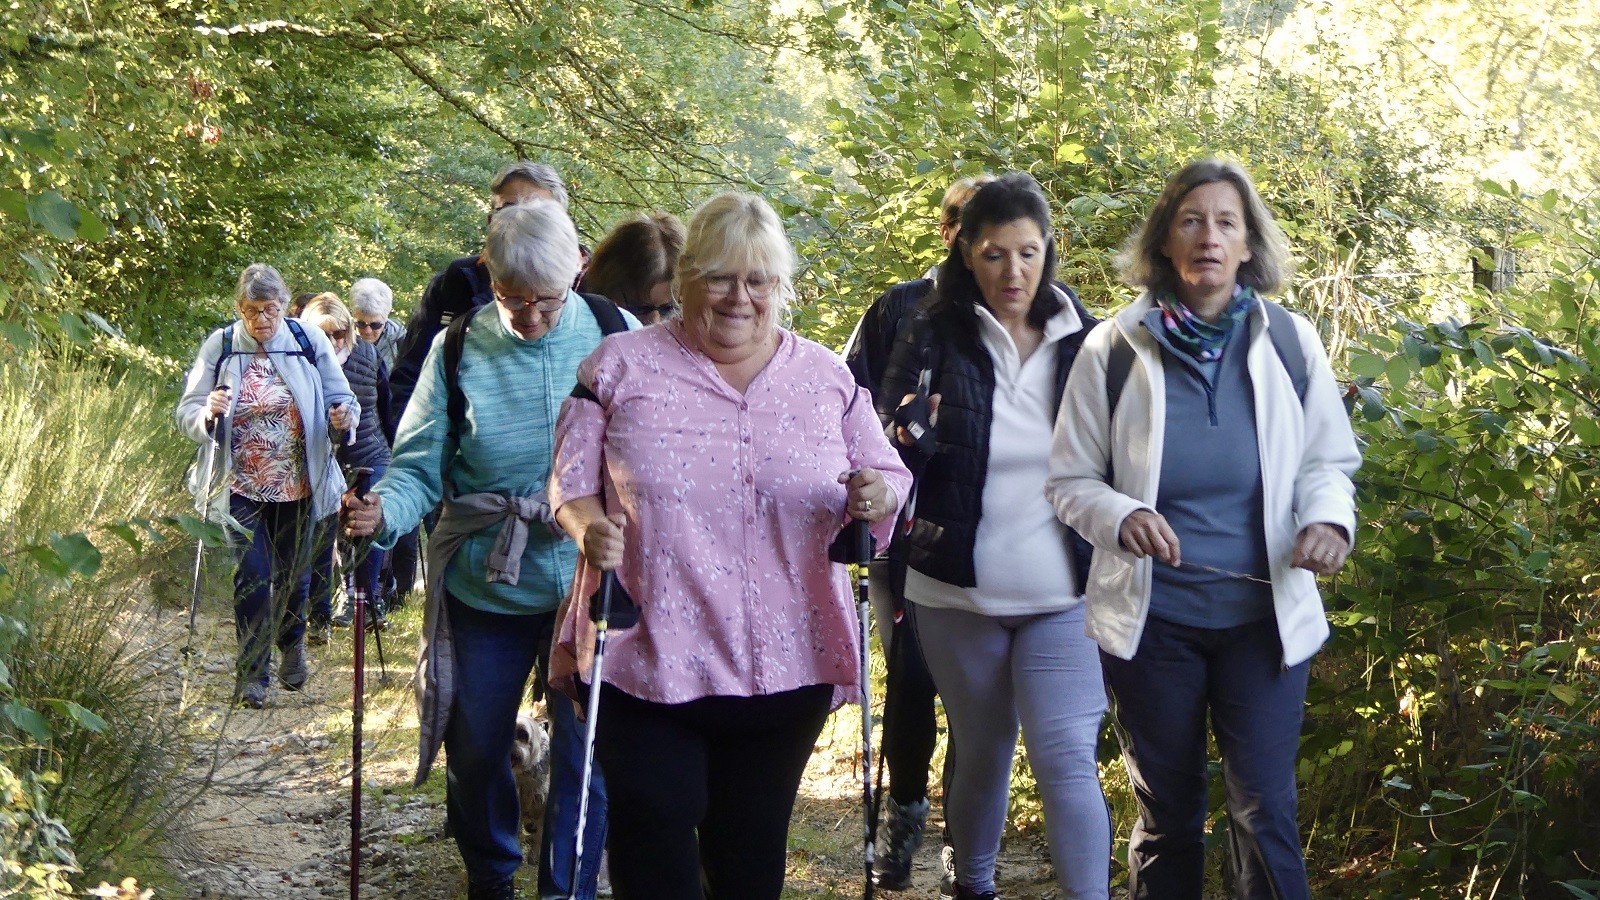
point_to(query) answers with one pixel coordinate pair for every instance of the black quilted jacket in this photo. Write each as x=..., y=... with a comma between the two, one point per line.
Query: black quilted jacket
x=943, y=338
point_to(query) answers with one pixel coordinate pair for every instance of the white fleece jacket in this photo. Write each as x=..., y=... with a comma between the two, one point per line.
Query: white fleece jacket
x=1308, y=454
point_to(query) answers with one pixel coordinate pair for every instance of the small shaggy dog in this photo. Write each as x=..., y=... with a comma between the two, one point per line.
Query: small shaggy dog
x=530, y=762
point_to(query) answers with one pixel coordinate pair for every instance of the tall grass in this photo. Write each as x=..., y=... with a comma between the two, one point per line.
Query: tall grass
x=80, y=450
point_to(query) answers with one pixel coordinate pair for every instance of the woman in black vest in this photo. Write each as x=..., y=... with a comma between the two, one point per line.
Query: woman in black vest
x=995, y=582
x=369, y=381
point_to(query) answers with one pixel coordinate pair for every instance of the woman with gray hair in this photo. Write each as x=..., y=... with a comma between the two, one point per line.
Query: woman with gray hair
x=371, y=305
x=477, y=436
x=710, y=461
x=272, y=396
x=1203, y=450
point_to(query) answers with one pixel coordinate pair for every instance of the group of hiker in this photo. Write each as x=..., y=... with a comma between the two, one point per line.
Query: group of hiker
x=1073, y=514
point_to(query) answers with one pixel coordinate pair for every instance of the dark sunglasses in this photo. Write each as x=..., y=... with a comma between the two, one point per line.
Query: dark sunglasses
x=369, y=326
x=643, y=310
x=339, y=334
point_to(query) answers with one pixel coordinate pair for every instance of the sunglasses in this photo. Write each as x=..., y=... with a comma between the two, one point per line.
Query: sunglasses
x=644, y=310
x=369, y=326
x=339, y=334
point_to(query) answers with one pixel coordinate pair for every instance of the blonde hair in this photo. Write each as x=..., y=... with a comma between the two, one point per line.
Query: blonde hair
x=327, y=305
x=739, y=231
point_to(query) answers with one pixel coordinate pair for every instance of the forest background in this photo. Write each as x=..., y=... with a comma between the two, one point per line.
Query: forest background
x=1417, y=153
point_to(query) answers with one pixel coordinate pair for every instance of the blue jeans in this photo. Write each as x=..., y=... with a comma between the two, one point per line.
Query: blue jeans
x=561, y=814
x=494, y=655
x=268, y=605
x=1160, y=700
x=366, y=571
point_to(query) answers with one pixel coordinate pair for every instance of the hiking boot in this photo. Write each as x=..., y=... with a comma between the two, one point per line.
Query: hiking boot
x=318, y=634
x=253, y=695
x=898, y=843
x=947, y=865
x=966, y=893
x=505, y=889
x=292, y=670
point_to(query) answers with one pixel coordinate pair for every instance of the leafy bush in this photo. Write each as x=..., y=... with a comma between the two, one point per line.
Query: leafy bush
x=80, y=452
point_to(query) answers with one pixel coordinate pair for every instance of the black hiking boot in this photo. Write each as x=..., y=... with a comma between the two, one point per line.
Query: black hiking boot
x=292, y=671
x=505, y=889
x=898, y=843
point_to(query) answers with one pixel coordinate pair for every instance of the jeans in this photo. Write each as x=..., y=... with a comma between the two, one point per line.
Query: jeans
x=365, y=559
x=1160, y=699
x=494, y=655
x=558, y=846
x=705, y=790
x=269, y=606
x=1042, y=674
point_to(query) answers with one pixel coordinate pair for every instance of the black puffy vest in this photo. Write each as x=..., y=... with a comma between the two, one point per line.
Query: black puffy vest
x=950, y=482
x=364, y=370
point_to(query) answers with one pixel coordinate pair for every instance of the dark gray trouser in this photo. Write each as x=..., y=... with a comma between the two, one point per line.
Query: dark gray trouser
x=1159, y=703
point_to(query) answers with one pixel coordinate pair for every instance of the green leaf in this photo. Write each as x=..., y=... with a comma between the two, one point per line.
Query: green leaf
x=58, y=217
x=210, y=534
x=125, y=531
x=5, y=675
x=27, y=719
x=1368, y=365
x=1493, y=187
x=80, y=716
x=1587, y=430
x=91, y=228
x=77, y=552
x=1399, y=371
x=1549, y=200
x=14, y=204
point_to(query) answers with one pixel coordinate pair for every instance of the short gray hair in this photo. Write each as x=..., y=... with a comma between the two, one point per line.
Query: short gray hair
x=541, y=175
x=1143, y=265
x=260, y=281
x=371, y=296
x=533, y=246
x=738, y=230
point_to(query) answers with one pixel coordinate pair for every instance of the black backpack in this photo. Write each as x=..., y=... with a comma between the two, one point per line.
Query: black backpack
x=605, y=313
x=306, y=351
x=1280, y=327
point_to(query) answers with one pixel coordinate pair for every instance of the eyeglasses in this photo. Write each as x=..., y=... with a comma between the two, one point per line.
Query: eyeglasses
x=542, y=304
x=339, y=334
x=265, y=312
x=645, y=310
x=756, y=287
x=369, y=326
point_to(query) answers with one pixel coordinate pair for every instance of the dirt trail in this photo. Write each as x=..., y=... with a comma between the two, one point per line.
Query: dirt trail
x=275, y=823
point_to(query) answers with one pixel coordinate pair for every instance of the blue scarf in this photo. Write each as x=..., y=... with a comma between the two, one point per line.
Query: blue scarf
x=1201, y=339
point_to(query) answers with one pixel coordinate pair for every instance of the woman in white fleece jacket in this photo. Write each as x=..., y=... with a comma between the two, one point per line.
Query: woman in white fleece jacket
x=1214, y=493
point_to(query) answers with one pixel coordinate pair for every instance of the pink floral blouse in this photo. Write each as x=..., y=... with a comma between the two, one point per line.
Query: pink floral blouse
x=731, y=502
x=269, y=440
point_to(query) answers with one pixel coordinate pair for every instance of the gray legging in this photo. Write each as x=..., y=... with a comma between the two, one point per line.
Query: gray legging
x=1039, y=672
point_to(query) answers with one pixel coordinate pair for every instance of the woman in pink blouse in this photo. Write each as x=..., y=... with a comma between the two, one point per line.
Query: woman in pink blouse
x=711, y=460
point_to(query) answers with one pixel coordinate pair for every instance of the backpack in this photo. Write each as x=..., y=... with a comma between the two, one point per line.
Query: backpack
x=1280, y=327
x=605, y=313
x=306, y=350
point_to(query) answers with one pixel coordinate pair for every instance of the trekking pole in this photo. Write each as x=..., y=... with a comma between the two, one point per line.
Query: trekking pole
x=363, y=482
x=855, y=547
x=601, y=614
x=218, y=428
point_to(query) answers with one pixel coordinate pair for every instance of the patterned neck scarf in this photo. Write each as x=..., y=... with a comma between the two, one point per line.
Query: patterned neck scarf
x=1201, y=339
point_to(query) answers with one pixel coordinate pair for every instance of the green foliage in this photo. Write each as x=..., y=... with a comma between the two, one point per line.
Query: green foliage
x=81, y=715
x=35, y=849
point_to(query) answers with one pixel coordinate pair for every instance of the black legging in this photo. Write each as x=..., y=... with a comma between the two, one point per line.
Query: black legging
x=910, y=727
x=701, y=793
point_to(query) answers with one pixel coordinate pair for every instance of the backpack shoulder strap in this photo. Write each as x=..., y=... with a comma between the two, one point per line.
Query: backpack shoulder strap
x=478, y=281
x=1118, y=364
x=1286, y=341
x=299, y=332
x=455, y=338
x=606, y=313
x=227, y=351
